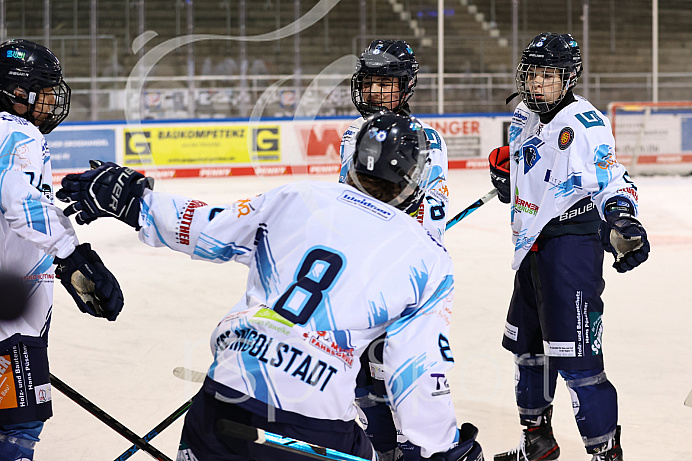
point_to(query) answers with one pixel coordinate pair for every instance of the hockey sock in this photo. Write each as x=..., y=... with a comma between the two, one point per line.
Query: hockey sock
x=17, y=441
x=380, y=423
x=535, y=387
x=594, y=400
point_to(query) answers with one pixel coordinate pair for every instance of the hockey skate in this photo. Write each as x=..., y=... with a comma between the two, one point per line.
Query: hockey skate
x=537, y=442
x=611, y=451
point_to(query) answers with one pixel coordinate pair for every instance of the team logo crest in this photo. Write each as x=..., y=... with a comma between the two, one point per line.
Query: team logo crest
x=566, y=137
x=530, y=157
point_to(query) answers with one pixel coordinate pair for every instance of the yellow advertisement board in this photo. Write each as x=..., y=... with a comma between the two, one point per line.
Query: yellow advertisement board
x=201, y=145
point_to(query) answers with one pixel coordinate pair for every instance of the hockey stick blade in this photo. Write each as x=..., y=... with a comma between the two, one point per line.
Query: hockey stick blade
x=157, y=430
x=107, y=419
x=262, y=437
x=471, y=208
x=189, y=375
x=688, y=400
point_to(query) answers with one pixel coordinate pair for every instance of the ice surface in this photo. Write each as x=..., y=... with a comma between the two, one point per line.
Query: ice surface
x=173, y=303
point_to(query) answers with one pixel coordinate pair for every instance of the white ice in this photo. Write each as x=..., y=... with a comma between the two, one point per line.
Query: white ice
x=173, y=303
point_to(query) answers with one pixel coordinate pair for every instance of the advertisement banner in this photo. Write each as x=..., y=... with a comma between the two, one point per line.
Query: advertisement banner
x=320, y=142
x=201, y=145
x=72, y=149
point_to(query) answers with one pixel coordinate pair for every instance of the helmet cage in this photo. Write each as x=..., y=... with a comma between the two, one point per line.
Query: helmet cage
x=543, y=98
x=393, y=148
x=548, y=56
x=384, y=58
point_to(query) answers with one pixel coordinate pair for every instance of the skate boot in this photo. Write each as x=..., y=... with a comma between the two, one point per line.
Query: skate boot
x=537, y=442
x=610, y=451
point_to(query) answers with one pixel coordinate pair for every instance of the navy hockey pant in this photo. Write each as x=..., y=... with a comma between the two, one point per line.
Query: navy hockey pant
x=554, y=327
x=201, y=441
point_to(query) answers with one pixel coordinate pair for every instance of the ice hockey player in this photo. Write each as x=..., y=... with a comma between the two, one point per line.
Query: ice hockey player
x=319, y=291
x=566, y=188
x=385, y=78
x=35, y=235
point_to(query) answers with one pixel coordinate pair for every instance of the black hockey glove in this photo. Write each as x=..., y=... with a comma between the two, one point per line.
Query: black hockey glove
x=623, y=235
x=467, y=449
x=499, y=172
x=105, y=190
x=91, y=285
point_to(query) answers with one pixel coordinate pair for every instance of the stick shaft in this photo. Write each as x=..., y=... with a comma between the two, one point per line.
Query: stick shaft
x=107, y=419
x=471, y=208
x=157, y=430
x=262, y=437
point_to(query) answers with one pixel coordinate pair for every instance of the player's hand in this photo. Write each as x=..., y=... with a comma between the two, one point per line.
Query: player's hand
x=467, y=449
x=499, y=172
x=623, y=235
x=105, y=190
x=91, y=285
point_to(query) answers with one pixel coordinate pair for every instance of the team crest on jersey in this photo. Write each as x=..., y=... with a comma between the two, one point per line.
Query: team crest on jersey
x=566, y=137
x=530, y=152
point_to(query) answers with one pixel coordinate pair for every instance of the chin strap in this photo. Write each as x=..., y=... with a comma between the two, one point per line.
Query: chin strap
x=511, y=97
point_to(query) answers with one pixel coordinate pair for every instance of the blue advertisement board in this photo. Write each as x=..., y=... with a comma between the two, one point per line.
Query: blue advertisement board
x=72, y=149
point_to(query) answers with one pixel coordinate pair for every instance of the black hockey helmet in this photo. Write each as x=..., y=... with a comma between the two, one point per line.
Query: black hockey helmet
x=31, y=75
x=384, y=58
x=392, y=149
x=548, y=53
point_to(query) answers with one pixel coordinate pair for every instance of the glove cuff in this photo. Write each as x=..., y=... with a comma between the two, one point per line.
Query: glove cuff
x=618, y=207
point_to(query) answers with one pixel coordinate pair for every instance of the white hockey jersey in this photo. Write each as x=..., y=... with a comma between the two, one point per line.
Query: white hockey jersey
x=319, y=290
x=554, y=165
x=32, y=229
x=433, y=211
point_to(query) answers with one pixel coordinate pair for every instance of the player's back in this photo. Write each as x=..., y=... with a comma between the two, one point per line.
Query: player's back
x=332, y=268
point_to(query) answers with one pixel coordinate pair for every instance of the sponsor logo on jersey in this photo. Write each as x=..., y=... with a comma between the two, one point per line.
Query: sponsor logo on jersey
x=243, y=206
x=366, y=203
x=520, y=117
x=577, y=211
x=590, y=119
x=564, y=188
x=441, y=384
x=630, y=191
x=186, y=221
x=287, y=358
x=324, y=341
x=522, y=241
x=522, y=206
x=566, y=137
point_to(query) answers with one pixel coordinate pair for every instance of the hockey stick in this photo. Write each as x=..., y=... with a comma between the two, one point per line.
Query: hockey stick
x=107, y=419
x=688, y=400
x=471, y=208
x=157, y=430
x=262, y=437
x=189, y=375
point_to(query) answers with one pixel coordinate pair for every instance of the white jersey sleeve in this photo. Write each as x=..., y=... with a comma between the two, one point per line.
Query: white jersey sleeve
x=433, y=211
x=316, y=298
x=33, y=230
x=554, y=165
x=416, y=358
x=26, y=188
